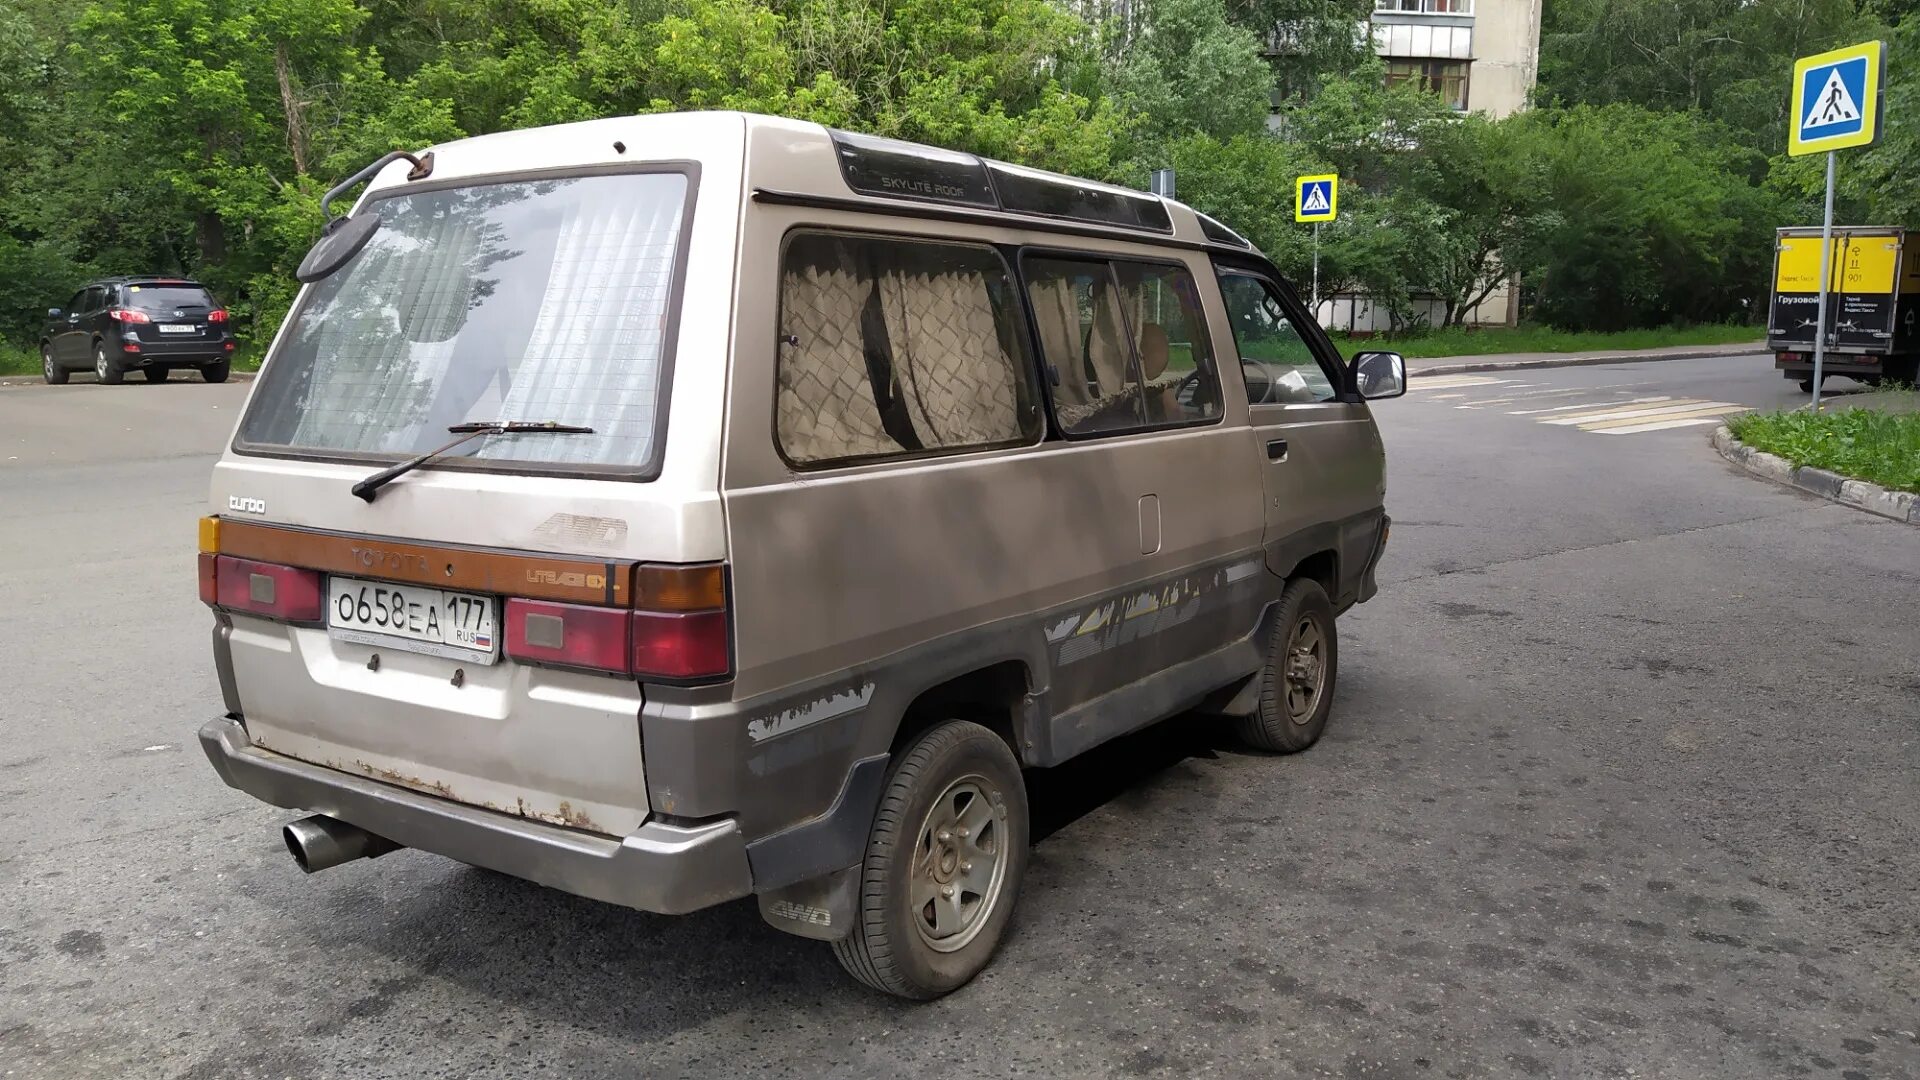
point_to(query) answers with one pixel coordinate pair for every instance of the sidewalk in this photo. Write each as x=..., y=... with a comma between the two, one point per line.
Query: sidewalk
x=1456, y=365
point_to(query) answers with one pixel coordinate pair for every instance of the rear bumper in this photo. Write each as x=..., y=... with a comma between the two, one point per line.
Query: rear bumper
x=669, y=869
x=1834, y=363
x=196, y=351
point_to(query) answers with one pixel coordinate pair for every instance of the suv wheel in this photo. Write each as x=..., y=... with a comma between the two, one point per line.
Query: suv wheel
x=50, y=371
x=1303, y=663
x=105, y=369
x=943, y=866
x=154, y=374
x=216, y=371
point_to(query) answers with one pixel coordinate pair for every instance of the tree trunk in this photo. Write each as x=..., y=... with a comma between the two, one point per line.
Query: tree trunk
x=210, y=233
x=296, y=124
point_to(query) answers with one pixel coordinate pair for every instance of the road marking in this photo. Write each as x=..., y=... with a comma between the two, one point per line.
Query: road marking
x=1616, y=413
x=1646, y=422
x=1589, y=405
x=1662, y=425
x=1448, y=382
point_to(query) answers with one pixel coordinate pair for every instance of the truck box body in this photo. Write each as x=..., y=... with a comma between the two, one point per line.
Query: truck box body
x=1873, y=283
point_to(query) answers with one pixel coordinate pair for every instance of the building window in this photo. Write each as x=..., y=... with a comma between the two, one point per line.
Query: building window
x=1425, y=7
x=891, y=347
x=1448, y=78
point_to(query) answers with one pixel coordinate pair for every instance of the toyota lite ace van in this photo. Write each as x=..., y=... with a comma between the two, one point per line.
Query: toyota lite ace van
x=683, y=508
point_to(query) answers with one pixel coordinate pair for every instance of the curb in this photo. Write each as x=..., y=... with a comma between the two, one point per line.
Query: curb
x=1468, y=366
x=35, y=380
x=1874, y=499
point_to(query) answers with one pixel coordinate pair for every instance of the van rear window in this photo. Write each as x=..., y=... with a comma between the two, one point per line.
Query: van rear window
x=538, y=300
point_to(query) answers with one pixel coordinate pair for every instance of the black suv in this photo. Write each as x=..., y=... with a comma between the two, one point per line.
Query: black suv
x=153, y=324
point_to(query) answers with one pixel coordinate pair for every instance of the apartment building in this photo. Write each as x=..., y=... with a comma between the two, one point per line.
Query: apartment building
x=1479, y=56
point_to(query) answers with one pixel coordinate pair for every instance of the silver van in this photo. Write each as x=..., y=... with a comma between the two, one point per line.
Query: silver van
x=681, y=508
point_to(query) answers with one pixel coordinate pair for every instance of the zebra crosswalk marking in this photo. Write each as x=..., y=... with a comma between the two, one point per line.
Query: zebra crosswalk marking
x=1636, y=422
x=1663, y=425
x=1589, y=405
x=1632, y=413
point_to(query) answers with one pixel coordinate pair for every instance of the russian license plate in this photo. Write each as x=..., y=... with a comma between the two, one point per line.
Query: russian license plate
x=179, y=328
x=456, y=625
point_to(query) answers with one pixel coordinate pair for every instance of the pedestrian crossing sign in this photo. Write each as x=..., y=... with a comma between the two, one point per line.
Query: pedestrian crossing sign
x=1836, y=99
x=1316, y=198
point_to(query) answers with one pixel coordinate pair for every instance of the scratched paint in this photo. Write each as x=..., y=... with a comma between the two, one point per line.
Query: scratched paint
x=805, y=716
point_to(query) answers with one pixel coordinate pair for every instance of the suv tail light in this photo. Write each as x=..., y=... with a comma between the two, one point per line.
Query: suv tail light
x=129, y=316
x=217, y=315
x=681, y=633
x=277, y=592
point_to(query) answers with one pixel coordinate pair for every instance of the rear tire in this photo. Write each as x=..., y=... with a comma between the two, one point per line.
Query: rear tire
x=1303, y=666
x=105, y=368
x=154, y=374
x=943, y=866
x=1806, y=386
x=50, y=371
x=217, y=372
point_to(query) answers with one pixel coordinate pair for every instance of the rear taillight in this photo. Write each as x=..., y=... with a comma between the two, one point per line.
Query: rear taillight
x=684, y=646
x=209, y=578
x=681, y=636
x=217, y=315
x=570, y=635
x=128, y=315
x=277, y=592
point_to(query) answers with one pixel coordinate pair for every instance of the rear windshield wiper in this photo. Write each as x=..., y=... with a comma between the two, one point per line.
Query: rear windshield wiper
x=468, y=432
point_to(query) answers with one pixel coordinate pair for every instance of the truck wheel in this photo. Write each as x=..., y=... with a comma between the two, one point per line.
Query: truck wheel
x=1806, y=386
x=1303, y=663
x=943, y=864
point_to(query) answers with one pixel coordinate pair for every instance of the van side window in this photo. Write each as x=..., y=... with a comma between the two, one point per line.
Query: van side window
x=1125, y=344
x=1089, y=364
x=1280, y=367
x=891, y=347
x=1162, y=308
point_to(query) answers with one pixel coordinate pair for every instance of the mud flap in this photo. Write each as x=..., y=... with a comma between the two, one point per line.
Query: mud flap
x=822, y=909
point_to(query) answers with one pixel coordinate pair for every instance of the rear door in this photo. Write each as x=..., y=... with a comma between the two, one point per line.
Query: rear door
x=176, y=312
x=1323, y=461
x=523, y=300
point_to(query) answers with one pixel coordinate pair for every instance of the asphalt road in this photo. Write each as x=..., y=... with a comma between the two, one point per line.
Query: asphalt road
x=1624, y=780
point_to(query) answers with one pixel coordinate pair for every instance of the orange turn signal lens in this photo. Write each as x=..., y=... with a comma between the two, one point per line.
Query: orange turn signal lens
x=680, y=588
x=209, y=534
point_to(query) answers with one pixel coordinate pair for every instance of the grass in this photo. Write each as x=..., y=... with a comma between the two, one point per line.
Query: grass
x=16, y=360
x=1877, y=443
x=1461, y=341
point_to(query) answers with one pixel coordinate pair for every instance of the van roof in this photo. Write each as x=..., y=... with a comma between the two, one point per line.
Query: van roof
x=787, y=159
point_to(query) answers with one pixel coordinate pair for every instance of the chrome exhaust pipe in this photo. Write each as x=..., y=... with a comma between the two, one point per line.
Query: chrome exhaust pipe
x=320, y=842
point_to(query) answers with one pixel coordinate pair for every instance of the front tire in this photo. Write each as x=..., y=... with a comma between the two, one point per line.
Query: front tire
x=49, y=370
x=217, y=372
x=1303, y=666
x=105, y=369
x=943, y=866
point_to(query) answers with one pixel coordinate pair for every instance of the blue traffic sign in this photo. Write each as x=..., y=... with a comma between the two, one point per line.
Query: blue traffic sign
x=1836, y=100
x=1316, y=198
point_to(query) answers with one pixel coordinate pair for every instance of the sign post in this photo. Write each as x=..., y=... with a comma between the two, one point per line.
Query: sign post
x=1836, y=106
x=1316, y=199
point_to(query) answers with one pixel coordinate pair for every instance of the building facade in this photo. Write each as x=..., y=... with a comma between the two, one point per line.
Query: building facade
x=1479, y=56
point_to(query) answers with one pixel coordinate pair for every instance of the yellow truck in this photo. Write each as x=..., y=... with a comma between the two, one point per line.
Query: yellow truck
x=1873, y=304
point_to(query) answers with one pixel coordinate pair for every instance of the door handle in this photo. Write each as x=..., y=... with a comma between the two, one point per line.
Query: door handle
x=1276, y=450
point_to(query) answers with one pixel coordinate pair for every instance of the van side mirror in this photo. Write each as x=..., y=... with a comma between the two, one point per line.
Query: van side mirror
x=342, y=240
x=54, y=313
x=1379, y=374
